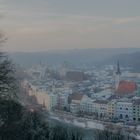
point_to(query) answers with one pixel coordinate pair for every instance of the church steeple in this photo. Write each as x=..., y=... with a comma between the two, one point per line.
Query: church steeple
x=117, y=75
x=118, y=72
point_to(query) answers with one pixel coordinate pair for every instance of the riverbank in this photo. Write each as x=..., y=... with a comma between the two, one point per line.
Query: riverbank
x=88, y=124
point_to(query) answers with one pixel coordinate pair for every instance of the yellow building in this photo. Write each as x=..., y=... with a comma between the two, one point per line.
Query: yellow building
x=111, y=109
x=47, y=100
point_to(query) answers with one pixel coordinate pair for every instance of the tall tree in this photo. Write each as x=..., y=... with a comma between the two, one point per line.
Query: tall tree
x=8, y=83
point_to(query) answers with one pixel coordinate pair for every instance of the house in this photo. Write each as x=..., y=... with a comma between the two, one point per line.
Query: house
x=111, y=109
x=43, y=98
x=75, y=102
x=136, y=110
x=87, y=105
x=100, y=108
x=62, y=100
x=124, y=111
x=103, y=95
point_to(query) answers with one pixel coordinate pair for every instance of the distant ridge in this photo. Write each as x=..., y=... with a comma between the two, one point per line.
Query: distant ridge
x=90, y=57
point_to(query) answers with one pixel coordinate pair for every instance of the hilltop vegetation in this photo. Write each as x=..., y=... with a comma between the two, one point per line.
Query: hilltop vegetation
x=18, y=122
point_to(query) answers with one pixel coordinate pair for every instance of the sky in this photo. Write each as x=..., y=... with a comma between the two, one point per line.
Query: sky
x=42, y=25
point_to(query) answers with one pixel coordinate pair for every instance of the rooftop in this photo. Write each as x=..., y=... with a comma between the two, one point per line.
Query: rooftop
x=126, y=87
x=101, y=102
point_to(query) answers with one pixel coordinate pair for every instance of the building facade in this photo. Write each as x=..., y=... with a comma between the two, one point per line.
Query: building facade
x=111, y=109
x=100, y=108
x=124, y=111
x=136, y=111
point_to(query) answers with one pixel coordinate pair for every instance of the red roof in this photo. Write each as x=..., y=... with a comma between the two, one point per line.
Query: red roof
x=126, y=87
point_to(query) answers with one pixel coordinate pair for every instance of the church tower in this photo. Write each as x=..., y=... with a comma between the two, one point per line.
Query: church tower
x=117, y=76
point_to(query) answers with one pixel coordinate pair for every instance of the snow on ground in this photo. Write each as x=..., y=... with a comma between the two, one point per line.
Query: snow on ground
x=95, y=125
x=87, y=124
x=79, y=124
x=138, y=127
x=138, y=137
x=82, y=124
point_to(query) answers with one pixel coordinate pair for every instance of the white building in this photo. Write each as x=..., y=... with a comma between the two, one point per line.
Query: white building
x=52, y=99
x=87, y=105
x=62, y=100
x=75, y=105
x=124, y=110
x=103, y=95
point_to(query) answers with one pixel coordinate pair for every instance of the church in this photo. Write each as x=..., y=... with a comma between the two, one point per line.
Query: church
x=123, y=87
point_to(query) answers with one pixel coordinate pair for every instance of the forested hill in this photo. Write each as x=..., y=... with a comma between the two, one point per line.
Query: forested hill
x=127, y=60
x=77, y=56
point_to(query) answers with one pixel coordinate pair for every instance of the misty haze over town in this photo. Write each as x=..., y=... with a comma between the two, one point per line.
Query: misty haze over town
x=69, y=70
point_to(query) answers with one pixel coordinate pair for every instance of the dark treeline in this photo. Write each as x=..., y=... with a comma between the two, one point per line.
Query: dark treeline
x=19, y=124
x=107, y=135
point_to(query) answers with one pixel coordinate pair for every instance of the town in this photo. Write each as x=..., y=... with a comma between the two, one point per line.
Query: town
x=110, y=94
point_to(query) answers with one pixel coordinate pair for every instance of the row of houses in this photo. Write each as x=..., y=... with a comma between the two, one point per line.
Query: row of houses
x=122, y=110
x=49, y=100
x=116, y=109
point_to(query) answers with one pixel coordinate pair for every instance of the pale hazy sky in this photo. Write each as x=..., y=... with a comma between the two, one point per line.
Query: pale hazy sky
x=41, y=25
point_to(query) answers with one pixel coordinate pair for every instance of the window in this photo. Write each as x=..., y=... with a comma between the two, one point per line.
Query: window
x=121, y=116
x=126, y=116
x=134, y=119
